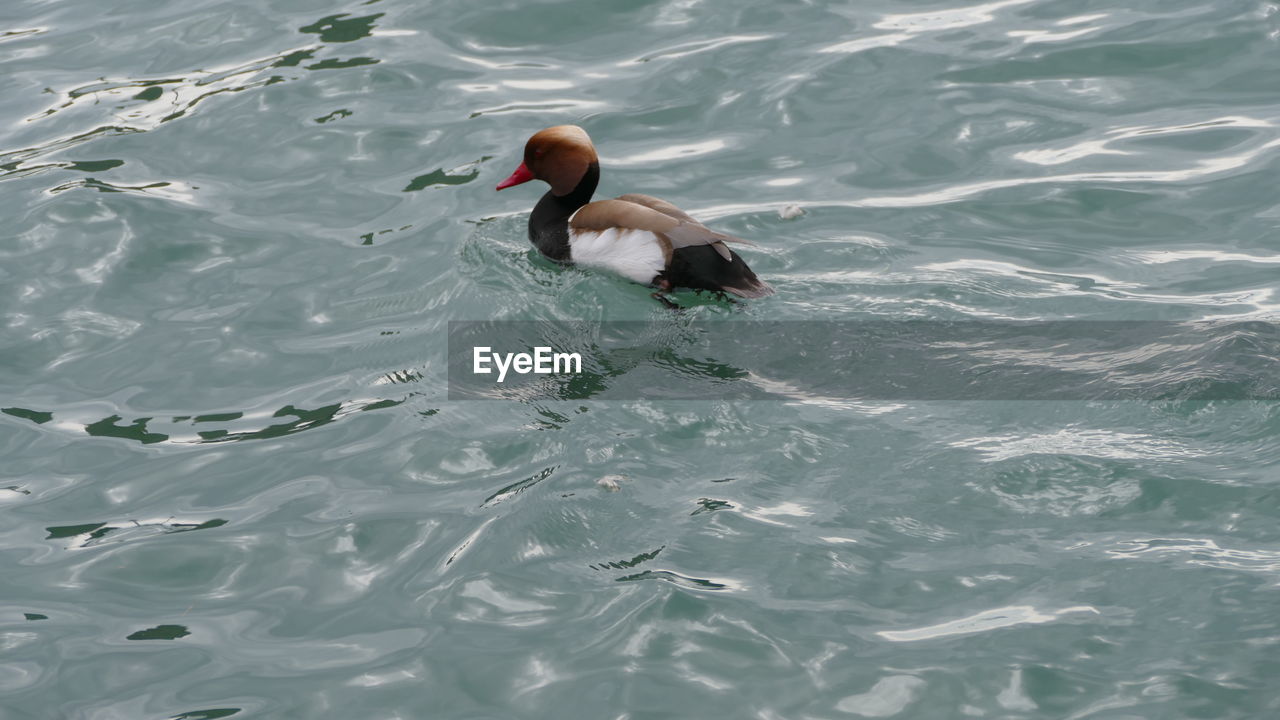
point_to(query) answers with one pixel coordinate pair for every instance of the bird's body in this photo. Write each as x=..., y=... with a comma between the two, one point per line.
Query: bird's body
x=641, y=238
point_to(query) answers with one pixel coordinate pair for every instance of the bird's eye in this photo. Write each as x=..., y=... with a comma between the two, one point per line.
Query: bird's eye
x=538, y=151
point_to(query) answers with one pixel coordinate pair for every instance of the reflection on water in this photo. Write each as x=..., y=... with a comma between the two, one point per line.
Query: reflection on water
x=138, y=105
x=685, y=581
x=985, y=621
x=519, y=487
x=34, y=416
x=212, y=714
x=95, y=533
x=137, y=429
x=877, y=360
x=336, y=29
x=441, y=178
x=627, y=564
x=160, y=632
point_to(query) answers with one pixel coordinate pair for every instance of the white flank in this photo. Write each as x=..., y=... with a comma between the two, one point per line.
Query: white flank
x=633, y=254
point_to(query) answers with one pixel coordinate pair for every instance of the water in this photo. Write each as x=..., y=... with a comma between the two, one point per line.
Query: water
x=234, y=485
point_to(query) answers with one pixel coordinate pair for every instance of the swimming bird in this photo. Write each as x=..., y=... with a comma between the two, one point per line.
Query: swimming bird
x=641, y=238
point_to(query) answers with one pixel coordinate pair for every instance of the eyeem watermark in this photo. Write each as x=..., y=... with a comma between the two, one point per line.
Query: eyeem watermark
x=672, y=358
x=542, y=361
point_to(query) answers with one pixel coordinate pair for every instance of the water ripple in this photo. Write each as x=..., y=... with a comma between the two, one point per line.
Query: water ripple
x=234, y=486
x=985, y=621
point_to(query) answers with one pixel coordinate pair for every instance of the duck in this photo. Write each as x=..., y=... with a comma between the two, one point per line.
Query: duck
x=639, y=237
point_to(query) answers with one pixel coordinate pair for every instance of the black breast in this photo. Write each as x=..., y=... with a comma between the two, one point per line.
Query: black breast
x=549, y=228
x=549, y=221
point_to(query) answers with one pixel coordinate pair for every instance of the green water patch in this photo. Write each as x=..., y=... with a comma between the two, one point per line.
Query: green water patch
x=440, y=178
x=341, y=28
x=38, y=417
x=105, y=187
x=339, y=64
x=367, y=238
x=706, y=505
x=306, y=419
x=212, y=714
x=295, y=58
x=137, y=430
x=94, y=533
x=149, y=94
x=381, y=405
x=66, y=531
x=188, y=527
x=94, y=165
x=217, y=417
x=161, y=632
x=684, y=581
x=147, y=430
x=628, y=564
x=335, y=115
x=19, y=168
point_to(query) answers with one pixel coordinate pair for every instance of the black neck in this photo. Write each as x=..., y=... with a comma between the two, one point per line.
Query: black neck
x=549, y=221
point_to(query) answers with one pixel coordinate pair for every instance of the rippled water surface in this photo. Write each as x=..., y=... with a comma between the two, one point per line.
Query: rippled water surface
x=233, y=484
